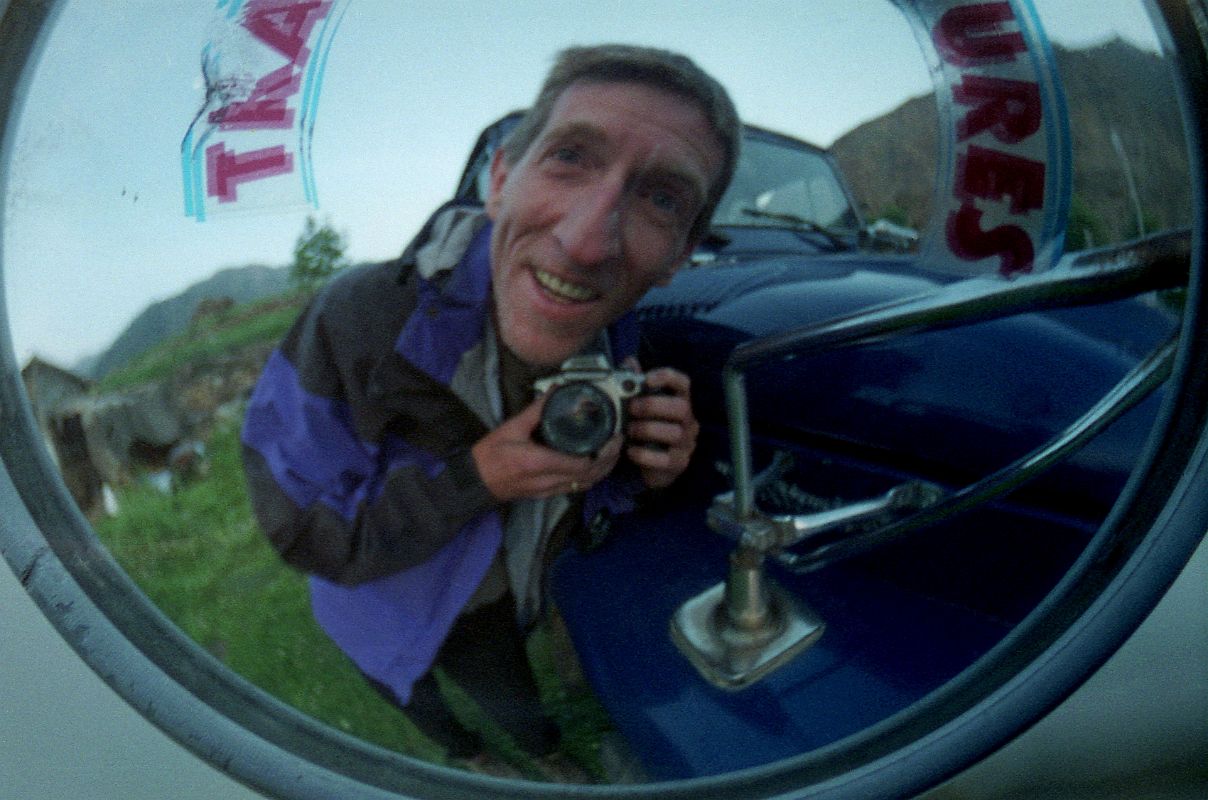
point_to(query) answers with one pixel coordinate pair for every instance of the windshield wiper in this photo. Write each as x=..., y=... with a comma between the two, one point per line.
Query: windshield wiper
x=800, y=223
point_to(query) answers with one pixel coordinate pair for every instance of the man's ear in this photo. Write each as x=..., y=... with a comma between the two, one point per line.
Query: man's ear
x=499, y=175
x=680, y=262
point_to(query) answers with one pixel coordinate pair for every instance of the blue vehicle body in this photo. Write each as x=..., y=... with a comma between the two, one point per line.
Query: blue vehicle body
x=948, y=406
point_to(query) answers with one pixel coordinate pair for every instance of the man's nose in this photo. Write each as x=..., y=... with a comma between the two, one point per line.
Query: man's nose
x=590, y=229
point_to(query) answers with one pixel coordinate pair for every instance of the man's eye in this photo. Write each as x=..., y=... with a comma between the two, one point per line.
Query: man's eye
x=568, y=155
x=665, y=201
x=668, y=203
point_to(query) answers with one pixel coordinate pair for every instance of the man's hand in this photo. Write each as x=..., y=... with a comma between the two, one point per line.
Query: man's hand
x=662, y=430
x=513, y=465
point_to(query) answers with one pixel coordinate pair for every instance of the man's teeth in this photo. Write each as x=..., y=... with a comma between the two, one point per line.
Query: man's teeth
x=564, y=289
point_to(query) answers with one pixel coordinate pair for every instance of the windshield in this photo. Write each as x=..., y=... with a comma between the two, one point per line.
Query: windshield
x=779, y=184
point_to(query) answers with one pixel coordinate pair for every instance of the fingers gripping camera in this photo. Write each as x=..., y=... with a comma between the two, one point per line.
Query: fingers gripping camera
x=585, y=404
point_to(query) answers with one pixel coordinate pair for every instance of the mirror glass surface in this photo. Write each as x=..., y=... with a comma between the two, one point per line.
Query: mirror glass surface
x=105, y=273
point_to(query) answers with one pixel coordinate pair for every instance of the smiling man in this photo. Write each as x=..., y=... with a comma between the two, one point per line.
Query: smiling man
x=390, y=444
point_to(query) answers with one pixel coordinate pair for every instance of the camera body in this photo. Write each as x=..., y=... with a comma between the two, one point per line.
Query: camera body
x=585, y=406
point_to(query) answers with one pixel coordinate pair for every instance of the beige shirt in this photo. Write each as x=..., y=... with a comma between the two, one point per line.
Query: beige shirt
x=535, y=531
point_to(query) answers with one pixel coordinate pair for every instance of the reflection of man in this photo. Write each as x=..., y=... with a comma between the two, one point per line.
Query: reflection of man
x=389, y=444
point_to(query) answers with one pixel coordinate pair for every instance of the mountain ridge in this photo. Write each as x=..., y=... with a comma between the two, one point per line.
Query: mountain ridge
x=1112, y=88
x=164, y=318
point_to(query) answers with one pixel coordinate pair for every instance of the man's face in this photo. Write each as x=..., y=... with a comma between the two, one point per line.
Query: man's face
x=596, y=211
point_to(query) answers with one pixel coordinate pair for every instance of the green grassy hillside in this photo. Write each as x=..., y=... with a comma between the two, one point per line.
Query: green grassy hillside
x=197, y=552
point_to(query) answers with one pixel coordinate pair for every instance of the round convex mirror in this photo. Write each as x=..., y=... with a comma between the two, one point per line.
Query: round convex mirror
x=180, y=183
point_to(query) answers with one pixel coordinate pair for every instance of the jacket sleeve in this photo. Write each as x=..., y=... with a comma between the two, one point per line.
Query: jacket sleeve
x=333, y=500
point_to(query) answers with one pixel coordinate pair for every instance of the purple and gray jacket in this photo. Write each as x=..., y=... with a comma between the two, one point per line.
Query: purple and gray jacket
x=357, y=448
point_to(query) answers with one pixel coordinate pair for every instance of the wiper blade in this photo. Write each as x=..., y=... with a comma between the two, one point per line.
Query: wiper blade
x=799, y=223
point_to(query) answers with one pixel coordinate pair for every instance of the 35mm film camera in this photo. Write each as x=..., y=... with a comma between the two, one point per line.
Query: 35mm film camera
x=586, y=404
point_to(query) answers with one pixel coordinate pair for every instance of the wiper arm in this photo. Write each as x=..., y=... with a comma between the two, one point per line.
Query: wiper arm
x=799, y=223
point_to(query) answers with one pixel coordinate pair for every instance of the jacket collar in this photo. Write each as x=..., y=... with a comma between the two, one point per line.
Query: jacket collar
x=451, y=258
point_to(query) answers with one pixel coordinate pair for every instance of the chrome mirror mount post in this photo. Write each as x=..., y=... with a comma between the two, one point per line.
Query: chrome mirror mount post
x=740, y=630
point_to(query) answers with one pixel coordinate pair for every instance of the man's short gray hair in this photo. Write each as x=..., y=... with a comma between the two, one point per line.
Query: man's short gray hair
x=661, y=69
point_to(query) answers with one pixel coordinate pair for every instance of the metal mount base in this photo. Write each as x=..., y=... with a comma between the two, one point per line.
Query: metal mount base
x=733, y=658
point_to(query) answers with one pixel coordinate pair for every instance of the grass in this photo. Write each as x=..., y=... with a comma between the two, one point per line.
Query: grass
x=198, y=554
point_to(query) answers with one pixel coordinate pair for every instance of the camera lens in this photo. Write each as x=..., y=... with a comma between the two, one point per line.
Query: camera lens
x=578, y=418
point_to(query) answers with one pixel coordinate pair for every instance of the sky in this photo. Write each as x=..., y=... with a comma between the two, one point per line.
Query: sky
x=94, y=217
